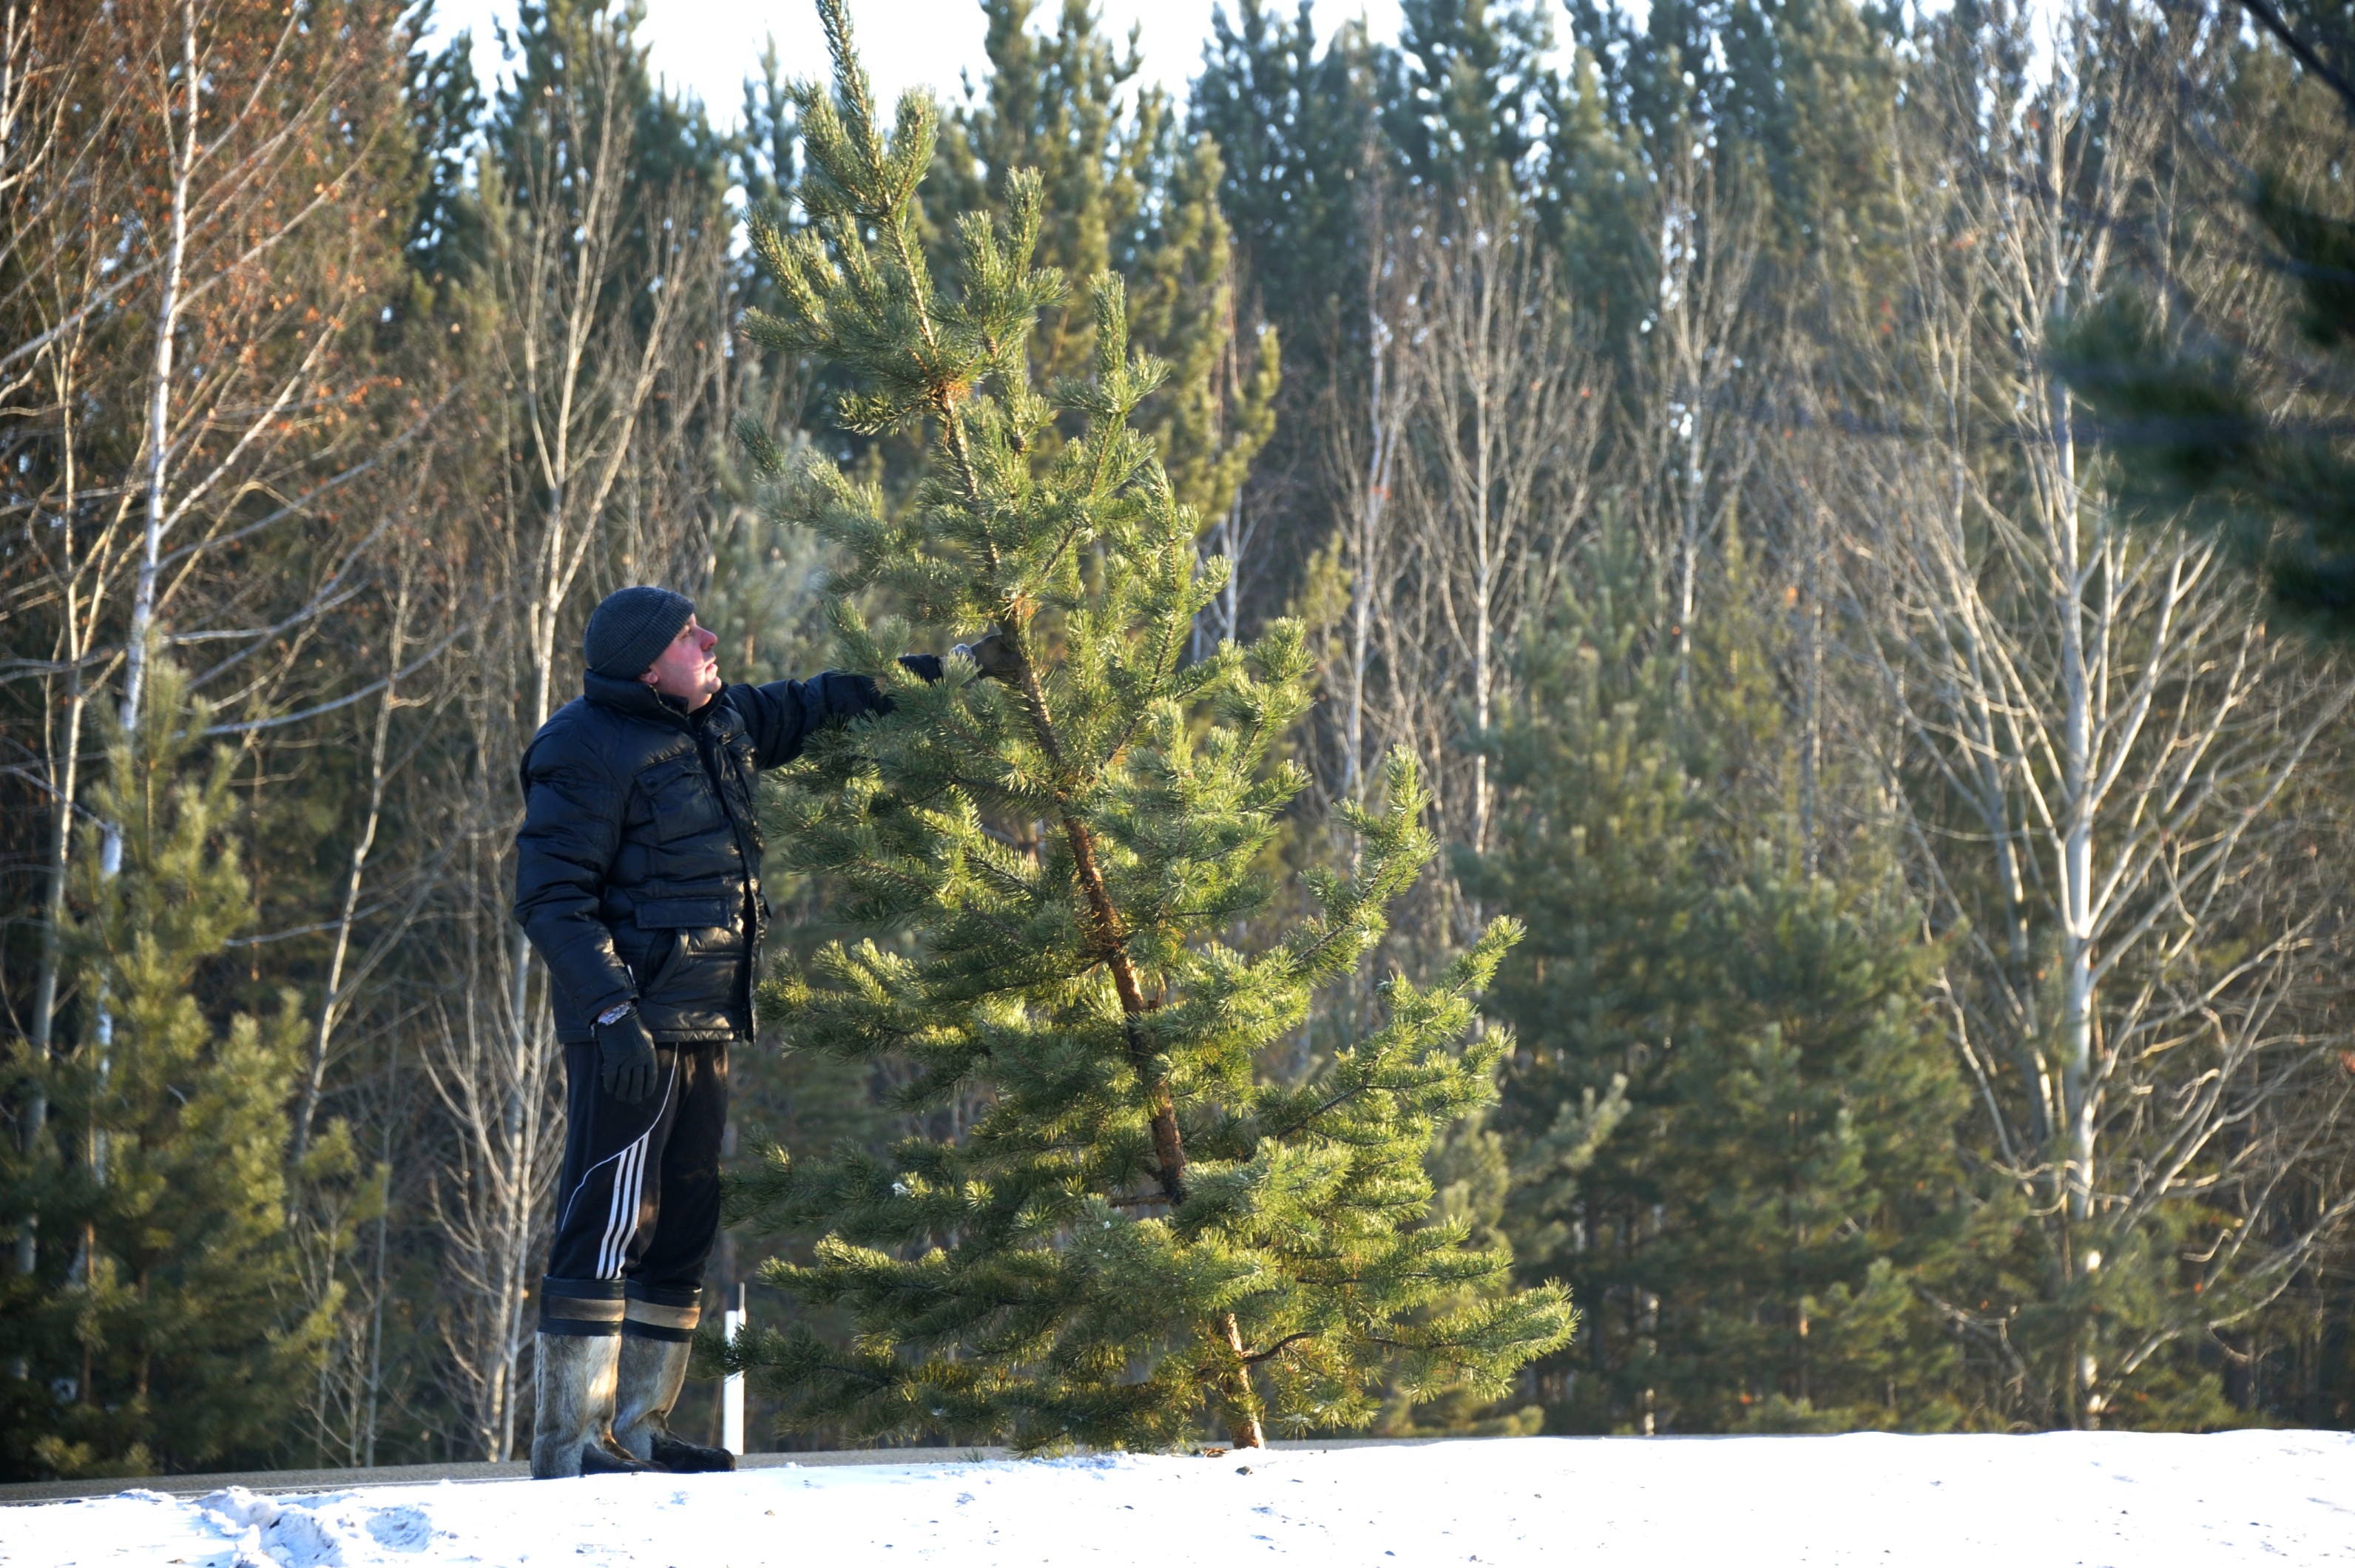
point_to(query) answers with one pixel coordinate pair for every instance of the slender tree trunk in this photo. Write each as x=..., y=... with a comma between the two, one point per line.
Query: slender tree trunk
x=1691, y=486
x=1811, y=694
x=330, y=1003
x=2079, y=1096
x=2077, y=844
x=65, y=787
x=1381, y=463
x=41, y=1026
x=159, y=403
x=1243, y=1406
x=20, y=163
x=1484, y=552
x=1231, y=543
x=373, y=1413
x=137, y=645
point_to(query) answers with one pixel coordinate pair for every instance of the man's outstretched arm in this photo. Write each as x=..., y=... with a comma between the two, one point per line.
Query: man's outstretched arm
x=783, y=714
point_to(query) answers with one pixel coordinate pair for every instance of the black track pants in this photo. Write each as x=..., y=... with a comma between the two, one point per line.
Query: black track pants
x=637, y=1206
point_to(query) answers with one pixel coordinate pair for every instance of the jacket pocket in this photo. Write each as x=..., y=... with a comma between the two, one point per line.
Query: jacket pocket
x=679, y=799
x=671, y=925
x=680, y=914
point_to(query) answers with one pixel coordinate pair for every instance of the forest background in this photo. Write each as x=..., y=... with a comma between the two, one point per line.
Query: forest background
x=1932, y=1015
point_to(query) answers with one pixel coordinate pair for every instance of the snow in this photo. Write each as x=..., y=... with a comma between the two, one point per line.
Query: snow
x=2147, y=1501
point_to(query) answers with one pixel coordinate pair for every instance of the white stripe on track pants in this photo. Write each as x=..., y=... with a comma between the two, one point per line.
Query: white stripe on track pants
x=639, y=1196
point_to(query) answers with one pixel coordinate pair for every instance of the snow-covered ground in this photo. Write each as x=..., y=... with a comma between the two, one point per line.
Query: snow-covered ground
x=1989, y=1503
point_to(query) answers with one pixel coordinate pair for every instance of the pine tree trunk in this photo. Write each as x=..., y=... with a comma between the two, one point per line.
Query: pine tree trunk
x=1244, y=1423
x=1168, y=1148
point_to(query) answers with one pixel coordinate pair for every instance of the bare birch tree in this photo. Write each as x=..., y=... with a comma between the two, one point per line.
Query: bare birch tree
x=1364, y=428
x=1693, y=435
x=183, y=281
x=2093, y=736
x=53, y=163
x=1510, y=420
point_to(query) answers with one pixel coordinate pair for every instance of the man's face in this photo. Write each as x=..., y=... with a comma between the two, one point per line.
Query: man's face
x=686, y=669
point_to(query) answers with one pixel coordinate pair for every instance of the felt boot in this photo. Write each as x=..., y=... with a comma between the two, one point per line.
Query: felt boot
x=652, y=1373
x=574, y=1408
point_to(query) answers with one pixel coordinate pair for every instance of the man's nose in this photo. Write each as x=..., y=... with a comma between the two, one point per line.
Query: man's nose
x=706, y=639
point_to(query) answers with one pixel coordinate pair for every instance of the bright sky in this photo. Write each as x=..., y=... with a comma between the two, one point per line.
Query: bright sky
x=710, y=47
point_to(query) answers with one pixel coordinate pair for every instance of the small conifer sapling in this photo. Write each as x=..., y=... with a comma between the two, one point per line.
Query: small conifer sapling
x=1140, y=1231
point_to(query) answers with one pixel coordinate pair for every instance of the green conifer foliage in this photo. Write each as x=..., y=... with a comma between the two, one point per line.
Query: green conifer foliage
x=1295, y=128
x=1217, y=408
x=1464, y=94
x=1052, y=106
x=1732, y=1116
x=2232, y=419
x=166, y=1328
x=1141, y=1231
x=1125, y=191
x=2201, y=449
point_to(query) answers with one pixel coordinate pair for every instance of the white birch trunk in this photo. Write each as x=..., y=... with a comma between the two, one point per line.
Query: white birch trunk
x=159, y=406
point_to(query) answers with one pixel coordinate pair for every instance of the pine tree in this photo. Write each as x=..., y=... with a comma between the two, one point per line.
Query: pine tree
x=2232, y=420
x=166, y=1326
x=1217, y=406
x=1141, y=1231
x=1595, y=205
x=1464, y=95
x=1052, y=106
x=1299, y=142
x=2223, y=432
x=1295, y=127
x=1733, y=1117
x=1124, y=190
x=1472, y=1181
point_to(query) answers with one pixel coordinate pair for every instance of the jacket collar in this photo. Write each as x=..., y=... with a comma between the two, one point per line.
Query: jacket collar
x=640, y=701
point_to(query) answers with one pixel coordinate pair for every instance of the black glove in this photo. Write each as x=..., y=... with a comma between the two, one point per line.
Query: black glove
x=627, y=1053
x=991, y=655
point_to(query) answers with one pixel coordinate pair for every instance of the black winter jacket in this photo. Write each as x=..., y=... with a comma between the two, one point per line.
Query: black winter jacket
x=638, y=865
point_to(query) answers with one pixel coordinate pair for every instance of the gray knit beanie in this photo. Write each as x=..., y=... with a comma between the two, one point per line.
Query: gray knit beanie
x=629, y=631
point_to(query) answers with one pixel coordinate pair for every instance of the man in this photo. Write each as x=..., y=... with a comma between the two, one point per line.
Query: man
x=638, y=880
